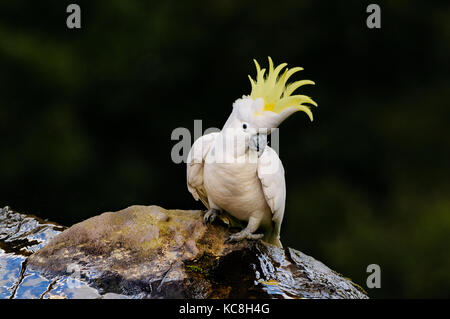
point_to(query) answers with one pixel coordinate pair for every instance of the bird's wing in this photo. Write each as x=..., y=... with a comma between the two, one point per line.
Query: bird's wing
x=271, y=175
x=195, y=162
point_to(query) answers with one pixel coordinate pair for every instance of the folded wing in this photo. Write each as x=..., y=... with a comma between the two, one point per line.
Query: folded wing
x=271, y=175
x=195, y=162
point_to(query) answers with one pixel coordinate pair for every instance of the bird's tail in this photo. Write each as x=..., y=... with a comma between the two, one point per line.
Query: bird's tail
x=273, y=237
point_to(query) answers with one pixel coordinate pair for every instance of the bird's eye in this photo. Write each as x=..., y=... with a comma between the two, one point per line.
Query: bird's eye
x=244, y=126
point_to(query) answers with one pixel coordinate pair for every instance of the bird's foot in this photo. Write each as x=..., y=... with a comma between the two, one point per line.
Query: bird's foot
x=210, y=216
x=245, y=234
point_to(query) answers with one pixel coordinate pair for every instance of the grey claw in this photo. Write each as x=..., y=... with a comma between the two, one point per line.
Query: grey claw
x=234, y=237
x=210, y=216
x=243, y=235
x=255, y=236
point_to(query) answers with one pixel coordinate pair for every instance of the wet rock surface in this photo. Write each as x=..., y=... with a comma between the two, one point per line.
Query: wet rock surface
x=21, y=236
x=150, y=252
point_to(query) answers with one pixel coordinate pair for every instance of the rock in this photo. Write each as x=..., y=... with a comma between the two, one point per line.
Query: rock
x=150, y=252
x=20, y=236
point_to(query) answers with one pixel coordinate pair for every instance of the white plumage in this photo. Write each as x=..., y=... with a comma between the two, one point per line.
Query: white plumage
x=248, y=190
x=235, y=171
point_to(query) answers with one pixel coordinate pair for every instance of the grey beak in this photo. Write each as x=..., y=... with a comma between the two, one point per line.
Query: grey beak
x=258, y=143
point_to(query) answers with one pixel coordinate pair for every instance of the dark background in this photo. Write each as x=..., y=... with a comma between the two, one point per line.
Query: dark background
x=86, y=118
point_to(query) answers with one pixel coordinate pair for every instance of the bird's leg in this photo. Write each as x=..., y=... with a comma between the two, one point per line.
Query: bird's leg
x=210, y=216
x=247, y=232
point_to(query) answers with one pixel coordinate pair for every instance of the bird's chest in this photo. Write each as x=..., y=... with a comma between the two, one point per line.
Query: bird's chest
x=234, y=187
x=232, y=179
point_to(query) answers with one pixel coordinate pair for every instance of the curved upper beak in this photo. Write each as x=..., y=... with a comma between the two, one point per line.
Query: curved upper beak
x=258, y=143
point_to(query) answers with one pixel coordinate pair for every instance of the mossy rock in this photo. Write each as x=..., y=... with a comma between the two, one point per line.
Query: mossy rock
x=151, y=252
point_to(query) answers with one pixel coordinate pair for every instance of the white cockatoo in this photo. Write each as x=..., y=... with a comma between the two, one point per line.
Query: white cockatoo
x=234, y=170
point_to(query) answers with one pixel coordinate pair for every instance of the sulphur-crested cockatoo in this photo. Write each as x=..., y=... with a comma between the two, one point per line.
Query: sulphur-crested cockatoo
x=234, y=170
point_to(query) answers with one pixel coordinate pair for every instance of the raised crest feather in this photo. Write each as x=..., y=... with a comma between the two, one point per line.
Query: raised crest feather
x=276, y=92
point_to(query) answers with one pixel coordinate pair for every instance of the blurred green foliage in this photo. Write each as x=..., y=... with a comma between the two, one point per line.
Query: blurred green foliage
x=86, y=117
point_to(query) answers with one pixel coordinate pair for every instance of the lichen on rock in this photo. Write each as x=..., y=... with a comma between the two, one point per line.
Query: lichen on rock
x=151, y=252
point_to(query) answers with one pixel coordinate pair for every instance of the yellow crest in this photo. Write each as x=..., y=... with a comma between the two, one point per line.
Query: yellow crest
x=274, y=91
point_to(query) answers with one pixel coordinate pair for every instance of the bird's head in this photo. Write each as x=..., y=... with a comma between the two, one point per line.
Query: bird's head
x=270, y=102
